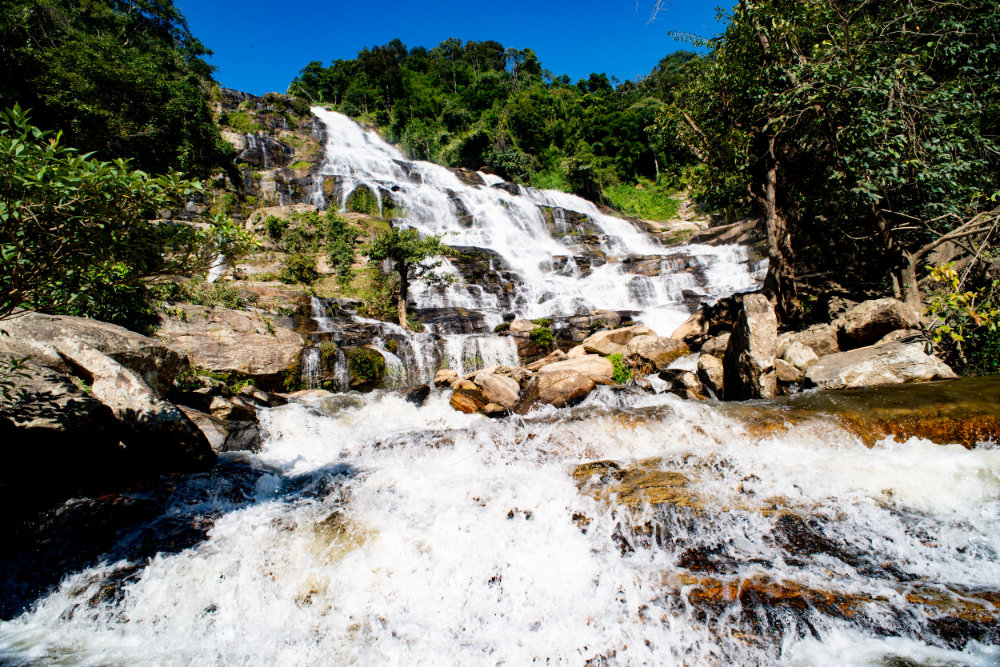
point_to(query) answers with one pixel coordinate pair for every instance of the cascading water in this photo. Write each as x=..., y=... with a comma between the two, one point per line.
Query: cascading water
x=371, y=531
x=630, y=530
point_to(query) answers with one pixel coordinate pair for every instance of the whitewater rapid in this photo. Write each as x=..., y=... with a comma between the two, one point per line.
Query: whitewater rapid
x=372, y=531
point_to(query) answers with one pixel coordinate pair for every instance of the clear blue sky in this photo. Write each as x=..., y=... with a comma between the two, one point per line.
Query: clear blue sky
x=260, y=46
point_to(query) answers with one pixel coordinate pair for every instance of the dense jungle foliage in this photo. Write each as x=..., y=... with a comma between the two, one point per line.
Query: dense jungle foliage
x=479, y=105
x=121, y=78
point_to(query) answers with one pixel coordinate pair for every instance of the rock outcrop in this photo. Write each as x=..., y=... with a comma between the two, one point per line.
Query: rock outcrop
x=560, y=388
x=869, y=321
x=613, y=341
x=892, y=363
x=653, y=352
x=749, y=360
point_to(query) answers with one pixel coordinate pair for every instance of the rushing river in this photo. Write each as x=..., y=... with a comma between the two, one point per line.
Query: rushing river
x=629, y=530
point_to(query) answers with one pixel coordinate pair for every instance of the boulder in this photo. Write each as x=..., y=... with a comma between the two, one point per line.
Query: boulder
x=158, y=430
x=34, y=333
x=523, y=327
x=466, y=403
x=561, y=388
x=499, y=390
x=892, y=363
x=869, y=321
x=577, y=351
x=231, y=409
x=901, y=334
x=786, y=373
x=749, y=360
x=223, y=436
x=692, y=329
x=716, y=347
x=614, y=340
x=799, y=356
x=687, y=385
x=710, y=372
x=558, y=355
x=444, y=377
x=416, y=395
x=820, y=338
x=224, y=341
x=654, y=352
x=595, y=367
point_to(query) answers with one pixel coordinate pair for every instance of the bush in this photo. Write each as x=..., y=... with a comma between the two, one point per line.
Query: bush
x=299, y=268
x=363, y=200
x=503, y=327
x=543, y=336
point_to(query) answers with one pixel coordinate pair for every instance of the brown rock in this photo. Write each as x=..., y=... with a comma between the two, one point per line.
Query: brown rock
x=786, y=372
x=716, y=347
x=465, y=403
x=522, y=327
x=614, y=340
x=557, y=388
x=799, y=355
x=892, y=363
x=820, y=338
x=577, y=351
x=593, y=366
x=711, y=374
x=499, y=390
x=869, y=321
x=749, y=360
x=558, y=355
x=654, y=352
x=444, y=377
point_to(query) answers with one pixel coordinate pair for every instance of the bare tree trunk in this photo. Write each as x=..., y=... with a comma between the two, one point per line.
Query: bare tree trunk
x=779, y=283
x=404, y=285
x=904, y=266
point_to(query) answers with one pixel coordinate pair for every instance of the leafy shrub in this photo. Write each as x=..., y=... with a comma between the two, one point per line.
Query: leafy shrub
x=299, y=268
x=542, y=335
x=503, y=327
x=362, y=200
x=366, y=366
x=645, y=200
x=622, y=374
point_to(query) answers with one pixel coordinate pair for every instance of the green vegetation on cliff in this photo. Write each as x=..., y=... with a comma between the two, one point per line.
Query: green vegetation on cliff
x=478, y=105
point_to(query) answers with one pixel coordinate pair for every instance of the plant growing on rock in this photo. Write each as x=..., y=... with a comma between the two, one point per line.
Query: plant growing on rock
x=622, y=373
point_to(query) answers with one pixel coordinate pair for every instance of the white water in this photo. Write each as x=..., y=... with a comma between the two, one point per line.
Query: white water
x=390, y=534
x=514, y=226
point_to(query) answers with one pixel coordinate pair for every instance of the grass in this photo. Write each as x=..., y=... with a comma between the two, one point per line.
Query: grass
x=645, y=200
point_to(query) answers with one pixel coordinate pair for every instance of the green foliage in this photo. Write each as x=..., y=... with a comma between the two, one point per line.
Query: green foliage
x=479, y=105
x=363, y=201
x=543, y=335
x=201, y=293
x=366, y=366
x=299, y=268
x=123, y=79
x=503, y=327
x=239, y=121
x=300, y=165
x=411, y=258
x=622, y=373
x=78, y=237
x=341, y=239
x=193, y=377
x=965, y=322
x=645, y=200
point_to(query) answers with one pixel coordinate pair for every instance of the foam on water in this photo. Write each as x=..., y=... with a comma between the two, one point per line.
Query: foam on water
x=391, y=534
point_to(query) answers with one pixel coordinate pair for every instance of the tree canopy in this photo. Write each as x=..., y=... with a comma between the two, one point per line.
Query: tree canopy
x=408, y=254
x=122, y=78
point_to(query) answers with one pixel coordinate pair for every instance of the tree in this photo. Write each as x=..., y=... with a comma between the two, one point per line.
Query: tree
x=74, y=229
x=409, y=255
x=866, y=132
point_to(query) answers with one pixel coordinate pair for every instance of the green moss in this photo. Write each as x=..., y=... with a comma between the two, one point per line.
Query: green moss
x=503, y=327
x=239, y=121
x=367, y=368
x=300, y=165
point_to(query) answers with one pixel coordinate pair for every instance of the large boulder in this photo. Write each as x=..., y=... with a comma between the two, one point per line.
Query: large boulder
x=869, y=321
x=224, y=341
x=555, y=356
x=596, y=368
x=225, y=436
x=892, y=363
x=749, y=360
x=820, y=338
x=33, y=334
x=799, y=356
x=561, y=388
x=653, y=352
x=156, y=430
x=716, y=347
x=499, y=390
x=711, y=374
x=613, y=341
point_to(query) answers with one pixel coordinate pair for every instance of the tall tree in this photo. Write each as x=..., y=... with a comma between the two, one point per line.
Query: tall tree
x=411, y=259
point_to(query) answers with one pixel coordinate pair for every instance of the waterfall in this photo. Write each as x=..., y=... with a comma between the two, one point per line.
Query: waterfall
x=529, y=229
x=465, y=354
x=310, y=367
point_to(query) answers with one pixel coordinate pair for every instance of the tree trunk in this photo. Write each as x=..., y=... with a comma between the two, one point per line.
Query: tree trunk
x=404, y=285
x=903, y=266
x=779, y=283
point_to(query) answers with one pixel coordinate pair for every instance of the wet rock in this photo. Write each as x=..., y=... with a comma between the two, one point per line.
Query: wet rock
x=799, y=356
x=716, y=347
x=226, y=341
x=787, y=373
x=260, y=399
x=614, y=340
x=33, y=334
x=749, y=359
x=636, y=485
x=820, y=338
x=467, y=403
x=710, y=372
x=225, y=436
x=156, y=426
x=892, y=363
x=686, y=385
x=653, y=352
x=416, y=395
x=468, y=176
x=452, y=320
x=499, y=390
x=560, y=389
x=595, y=367
x=231, y=409
x=869, y=321
x=709, y=320
x=444, y=377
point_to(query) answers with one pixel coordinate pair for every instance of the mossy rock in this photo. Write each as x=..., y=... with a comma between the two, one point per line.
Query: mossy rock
x=366, y=367
x=363, y=200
